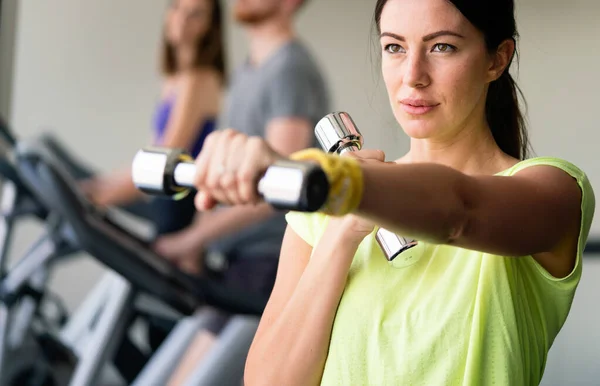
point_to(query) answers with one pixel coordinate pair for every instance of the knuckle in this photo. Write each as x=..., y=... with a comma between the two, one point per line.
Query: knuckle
x=219, y=197
x=255, y=143
x=237, y=143
x=236, y=198
x=239, y=136
x=212, y=137
x=211, y=183
x=247, y=193
x=199, y=201
x=199, y=178
x=228, y=181
x=245, y=175
x=229, y=132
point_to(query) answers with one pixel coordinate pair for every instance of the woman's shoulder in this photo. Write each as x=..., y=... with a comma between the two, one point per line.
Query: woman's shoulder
x=556, y=162
x=205, y=76
x=203, y=86
x=577, y=174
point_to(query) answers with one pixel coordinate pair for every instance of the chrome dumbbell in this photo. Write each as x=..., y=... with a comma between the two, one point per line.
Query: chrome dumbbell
x=286, y=185
x=337, y=133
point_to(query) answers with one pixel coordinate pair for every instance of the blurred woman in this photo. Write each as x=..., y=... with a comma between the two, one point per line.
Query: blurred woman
x=193, y=69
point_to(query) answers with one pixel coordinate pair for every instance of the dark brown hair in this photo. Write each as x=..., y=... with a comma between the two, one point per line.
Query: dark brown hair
x=210, y=50
x=496, y=20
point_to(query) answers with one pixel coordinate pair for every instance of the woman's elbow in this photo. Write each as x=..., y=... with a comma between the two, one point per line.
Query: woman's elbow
x=254, y=373
x=267, y=373
x=457, y=219
x=250, y=376
x=256, y=376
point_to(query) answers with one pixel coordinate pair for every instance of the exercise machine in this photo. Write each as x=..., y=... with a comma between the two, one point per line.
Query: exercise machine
x=136, y=271
x=24, y=297
x=29, y=350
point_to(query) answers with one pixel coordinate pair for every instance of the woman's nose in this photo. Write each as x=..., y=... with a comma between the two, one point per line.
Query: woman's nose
x=416, y=73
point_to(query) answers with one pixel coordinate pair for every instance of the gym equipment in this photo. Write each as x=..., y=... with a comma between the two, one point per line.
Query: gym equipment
x=137, y=271
x=23, y=293
x=29, y=348
x=286, y=185
x=337, y=133
x=223, y=365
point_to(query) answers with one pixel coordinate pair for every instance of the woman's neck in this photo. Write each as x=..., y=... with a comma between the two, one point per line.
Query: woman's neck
x=185, y=58
x=472, y=151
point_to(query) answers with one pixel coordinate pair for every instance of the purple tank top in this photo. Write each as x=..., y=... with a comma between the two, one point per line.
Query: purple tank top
x=161, y=119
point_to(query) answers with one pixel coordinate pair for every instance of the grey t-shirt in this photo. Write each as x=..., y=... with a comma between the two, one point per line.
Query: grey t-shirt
x=288, y=84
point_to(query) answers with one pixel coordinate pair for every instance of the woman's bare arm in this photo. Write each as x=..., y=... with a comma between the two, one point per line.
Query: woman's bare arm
x=197, y=99
x=290, y=346
x=535, y=211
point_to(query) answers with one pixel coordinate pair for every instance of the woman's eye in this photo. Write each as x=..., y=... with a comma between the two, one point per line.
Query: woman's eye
x=443, y=47
x=393, y=48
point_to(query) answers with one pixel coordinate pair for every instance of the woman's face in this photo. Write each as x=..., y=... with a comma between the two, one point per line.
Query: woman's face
x=188, y=21
x=435, y=66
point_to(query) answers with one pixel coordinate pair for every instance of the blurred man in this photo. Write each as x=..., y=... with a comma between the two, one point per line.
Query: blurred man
x=278, y=93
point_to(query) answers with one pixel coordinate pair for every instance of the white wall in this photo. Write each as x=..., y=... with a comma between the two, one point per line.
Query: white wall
x=558, y=77
x=7, y=37
x=86, y=70
x=559, y=55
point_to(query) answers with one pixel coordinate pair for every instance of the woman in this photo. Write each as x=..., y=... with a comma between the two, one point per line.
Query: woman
x=500, y=236
x=193, y=69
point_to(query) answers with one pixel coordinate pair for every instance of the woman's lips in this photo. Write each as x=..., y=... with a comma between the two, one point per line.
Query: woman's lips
x=418, y=106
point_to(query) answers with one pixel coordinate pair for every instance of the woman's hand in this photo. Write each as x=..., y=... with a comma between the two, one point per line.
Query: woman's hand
x=353, y=226
x=229, y=167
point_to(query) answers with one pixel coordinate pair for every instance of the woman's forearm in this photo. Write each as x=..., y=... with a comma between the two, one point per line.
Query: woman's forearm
x=120, y=189
x=423, y=201
x=294, y=348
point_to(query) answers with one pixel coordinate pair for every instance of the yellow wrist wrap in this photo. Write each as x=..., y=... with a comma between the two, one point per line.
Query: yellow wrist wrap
x=345, y=180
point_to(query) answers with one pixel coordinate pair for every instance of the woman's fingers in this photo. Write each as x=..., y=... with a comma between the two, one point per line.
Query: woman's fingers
x=217, y=165
x=231, y=163
x=204, y=201
x=258, y=157
x=234, y=158
x=203, y=159
x=229, y=167
x=367, y=154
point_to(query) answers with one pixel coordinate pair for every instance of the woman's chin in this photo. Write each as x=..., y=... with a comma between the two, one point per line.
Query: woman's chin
x=419, y=130
x=418, y=127
x=173, y=41
x=175, y=37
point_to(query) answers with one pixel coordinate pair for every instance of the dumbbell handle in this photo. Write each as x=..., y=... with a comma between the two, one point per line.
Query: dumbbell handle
x=286, y=185
x=337, y=133
x=184, y=174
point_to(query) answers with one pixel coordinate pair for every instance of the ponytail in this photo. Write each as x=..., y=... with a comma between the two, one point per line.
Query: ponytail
x=505, y=118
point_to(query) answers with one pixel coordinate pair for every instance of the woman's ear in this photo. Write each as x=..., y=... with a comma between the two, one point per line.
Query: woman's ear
x=501, y=59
